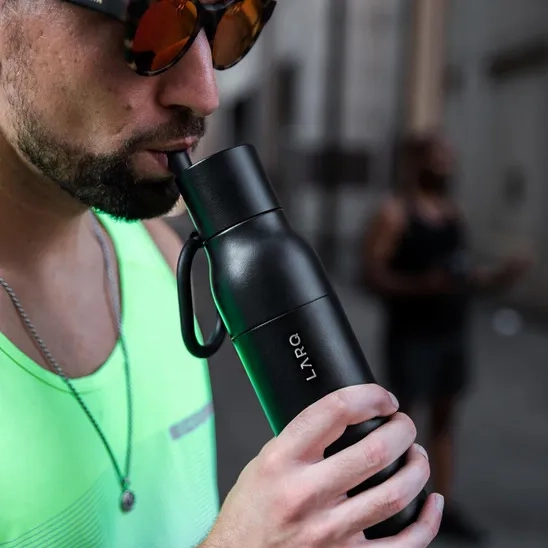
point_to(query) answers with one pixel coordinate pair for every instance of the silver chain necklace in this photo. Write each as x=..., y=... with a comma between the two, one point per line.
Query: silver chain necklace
x=127, y=498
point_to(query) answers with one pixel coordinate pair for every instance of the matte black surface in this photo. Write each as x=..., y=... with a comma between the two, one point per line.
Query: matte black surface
x=186, y=305
x=262, y=269
x=224, y=189
x=273, y=294
x=301, y=357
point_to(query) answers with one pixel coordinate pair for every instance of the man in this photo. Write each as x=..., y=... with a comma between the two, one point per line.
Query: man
x=416, y=260
x=106, y=427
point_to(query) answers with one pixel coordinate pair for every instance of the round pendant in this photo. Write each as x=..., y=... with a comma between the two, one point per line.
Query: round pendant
x=127, y=500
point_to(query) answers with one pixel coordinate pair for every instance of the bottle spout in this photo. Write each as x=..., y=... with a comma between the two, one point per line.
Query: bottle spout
x=179, y=162
x=223, y=190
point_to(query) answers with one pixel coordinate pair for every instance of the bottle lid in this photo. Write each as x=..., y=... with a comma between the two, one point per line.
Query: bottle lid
x=224, y=189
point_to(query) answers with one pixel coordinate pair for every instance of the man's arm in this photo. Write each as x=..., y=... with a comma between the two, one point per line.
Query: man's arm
x=384, y=236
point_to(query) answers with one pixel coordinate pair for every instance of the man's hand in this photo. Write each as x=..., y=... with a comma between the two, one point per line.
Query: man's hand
x=510, y=271
x=289, y=496
x=515, y=267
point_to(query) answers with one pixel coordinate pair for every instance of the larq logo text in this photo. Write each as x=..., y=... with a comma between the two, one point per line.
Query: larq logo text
x=304, y=359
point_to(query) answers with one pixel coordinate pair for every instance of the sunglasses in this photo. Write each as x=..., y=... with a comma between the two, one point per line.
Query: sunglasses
x=159, y=32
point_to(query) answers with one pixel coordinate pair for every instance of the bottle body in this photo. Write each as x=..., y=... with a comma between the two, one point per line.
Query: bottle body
x=290, y=331
x=300, y=357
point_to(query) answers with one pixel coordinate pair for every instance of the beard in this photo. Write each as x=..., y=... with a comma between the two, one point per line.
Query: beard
x=105, y=182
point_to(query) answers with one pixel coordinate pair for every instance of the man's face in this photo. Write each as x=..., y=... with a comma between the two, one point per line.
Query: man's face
x=74, y=112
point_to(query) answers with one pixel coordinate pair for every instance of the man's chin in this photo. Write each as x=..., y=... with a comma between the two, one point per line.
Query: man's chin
x=150, y=200
x=143, y=200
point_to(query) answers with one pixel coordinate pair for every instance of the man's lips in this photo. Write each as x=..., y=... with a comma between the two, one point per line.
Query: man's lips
x=160, y=152
x=175, y=146
x=160, y=157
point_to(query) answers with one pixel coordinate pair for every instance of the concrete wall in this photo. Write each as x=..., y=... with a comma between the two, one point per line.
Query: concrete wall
x=371, y=71
x=425, y=65
x=500, y=128
x=498, y=125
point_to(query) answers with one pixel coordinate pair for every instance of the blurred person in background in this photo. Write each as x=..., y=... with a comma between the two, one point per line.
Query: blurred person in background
x=416, y=260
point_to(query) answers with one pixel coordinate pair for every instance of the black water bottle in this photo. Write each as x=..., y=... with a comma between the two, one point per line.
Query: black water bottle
x=274, y=300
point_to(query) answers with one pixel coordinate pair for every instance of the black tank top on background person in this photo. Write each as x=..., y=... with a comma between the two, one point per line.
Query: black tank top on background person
x=425, y=245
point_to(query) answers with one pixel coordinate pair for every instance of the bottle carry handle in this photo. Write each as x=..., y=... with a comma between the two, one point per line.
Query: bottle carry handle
x=184, y=289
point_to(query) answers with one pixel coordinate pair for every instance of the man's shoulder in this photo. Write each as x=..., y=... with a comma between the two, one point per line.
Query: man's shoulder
x=166, y=239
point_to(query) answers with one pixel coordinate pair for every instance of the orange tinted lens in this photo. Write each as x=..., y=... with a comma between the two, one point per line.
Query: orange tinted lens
x=237, y=32
x=163, y=32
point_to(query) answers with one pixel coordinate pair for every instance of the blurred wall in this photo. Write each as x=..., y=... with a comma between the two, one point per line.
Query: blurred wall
x=320, y=96
x=496, y=97
x=425, y=63
x=323, y=99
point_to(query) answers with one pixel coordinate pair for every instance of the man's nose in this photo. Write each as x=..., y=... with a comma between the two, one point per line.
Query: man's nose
x=191, y=82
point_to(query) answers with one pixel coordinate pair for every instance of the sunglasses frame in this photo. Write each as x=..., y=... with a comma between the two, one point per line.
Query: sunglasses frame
x=208, y=18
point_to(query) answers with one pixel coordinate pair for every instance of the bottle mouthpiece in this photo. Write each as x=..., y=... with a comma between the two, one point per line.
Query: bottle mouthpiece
x=223, y=190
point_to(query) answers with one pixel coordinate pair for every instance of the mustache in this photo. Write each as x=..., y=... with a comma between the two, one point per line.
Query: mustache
x=185, y=124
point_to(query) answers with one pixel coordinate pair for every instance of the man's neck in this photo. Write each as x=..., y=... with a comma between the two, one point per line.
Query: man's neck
x=39, y=222
x=50, y=257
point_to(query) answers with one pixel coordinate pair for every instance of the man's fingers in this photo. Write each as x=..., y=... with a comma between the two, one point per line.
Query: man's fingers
x=321, y=424
x=352, y=466
x=421, y=533
x=385, y=500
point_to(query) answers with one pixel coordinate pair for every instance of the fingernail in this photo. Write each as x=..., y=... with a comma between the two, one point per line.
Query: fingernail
x=422, y=451
x=440, y=502
x=394, y=400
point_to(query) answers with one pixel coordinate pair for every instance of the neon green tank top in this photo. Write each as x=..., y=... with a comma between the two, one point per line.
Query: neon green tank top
x=58, y=487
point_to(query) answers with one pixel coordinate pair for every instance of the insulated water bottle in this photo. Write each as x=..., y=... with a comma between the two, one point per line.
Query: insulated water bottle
x=274, y=300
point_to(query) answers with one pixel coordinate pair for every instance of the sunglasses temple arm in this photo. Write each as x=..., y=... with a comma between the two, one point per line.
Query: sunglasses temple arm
x=269, y=7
